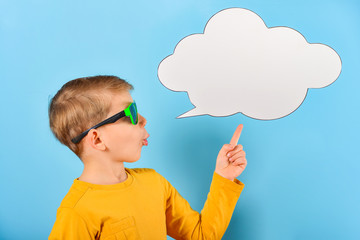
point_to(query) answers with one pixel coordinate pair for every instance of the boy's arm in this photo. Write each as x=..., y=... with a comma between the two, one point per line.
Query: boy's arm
x=185, y=223
x=69, y=225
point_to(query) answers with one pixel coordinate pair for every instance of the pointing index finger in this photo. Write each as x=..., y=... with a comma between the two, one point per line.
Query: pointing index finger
x=236, y=136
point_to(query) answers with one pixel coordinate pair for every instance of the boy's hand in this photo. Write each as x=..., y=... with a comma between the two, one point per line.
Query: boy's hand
x=231, y=160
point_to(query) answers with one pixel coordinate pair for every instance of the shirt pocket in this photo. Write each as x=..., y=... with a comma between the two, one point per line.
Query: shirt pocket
x=124, y=229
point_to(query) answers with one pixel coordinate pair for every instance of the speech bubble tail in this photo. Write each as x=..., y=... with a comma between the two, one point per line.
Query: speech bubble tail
x=193, y=112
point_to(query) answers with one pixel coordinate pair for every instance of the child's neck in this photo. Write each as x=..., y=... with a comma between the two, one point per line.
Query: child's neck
x=103, y=173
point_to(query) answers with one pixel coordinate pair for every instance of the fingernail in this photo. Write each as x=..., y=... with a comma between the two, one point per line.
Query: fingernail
x=228, y=155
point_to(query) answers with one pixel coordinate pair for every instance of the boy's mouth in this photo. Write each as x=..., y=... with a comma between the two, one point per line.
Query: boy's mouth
x=145, y=142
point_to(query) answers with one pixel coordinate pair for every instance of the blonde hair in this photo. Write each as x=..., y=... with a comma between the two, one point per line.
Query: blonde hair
x=80, y=104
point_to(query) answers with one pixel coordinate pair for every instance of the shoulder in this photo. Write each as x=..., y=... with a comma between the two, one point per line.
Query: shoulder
x=142, y=172
x=74, y=195
x=145, y=173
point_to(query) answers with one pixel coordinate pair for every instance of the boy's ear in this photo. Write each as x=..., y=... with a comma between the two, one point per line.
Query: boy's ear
x=94, y=140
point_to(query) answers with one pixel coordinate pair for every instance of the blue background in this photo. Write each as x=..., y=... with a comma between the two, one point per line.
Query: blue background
x=302, y=178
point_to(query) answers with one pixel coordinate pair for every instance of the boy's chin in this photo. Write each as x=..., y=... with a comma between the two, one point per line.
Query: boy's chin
x=132, y=160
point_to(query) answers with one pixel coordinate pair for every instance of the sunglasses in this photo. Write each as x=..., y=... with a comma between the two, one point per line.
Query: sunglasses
x=130, y=111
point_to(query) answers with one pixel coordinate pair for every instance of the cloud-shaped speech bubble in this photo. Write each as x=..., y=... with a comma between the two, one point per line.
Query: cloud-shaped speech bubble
x=239, y=65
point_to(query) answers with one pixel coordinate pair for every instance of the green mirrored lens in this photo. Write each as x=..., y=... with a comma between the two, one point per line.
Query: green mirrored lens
x=134, y=113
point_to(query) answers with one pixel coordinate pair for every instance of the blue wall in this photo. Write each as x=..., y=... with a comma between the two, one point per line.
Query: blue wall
x=302, y=179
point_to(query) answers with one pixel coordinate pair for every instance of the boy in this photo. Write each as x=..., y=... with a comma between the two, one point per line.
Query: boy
x=97, y=119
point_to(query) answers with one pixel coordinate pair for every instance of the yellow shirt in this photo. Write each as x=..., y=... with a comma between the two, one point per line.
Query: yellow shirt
x=144, y=206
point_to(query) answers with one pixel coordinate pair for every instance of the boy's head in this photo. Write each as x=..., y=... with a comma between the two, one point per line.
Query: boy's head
x=84, y=102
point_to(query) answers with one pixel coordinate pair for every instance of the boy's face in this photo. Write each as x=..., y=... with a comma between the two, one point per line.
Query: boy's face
x=124, y=140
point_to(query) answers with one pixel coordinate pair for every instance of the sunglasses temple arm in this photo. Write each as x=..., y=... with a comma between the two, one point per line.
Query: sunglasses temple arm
x=112, y=119
x=78, y=138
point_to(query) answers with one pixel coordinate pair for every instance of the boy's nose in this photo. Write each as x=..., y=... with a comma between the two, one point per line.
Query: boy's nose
x=142, y=120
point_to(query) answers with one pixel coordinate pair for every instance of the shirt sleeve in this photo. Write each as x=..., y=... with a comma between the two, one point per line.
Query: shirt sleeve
x=182, y=222
x=69, y=225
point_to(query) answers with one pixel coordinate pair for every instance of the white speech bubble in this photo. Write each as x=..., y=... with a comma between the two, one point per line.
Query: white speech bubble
x=239, y=65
